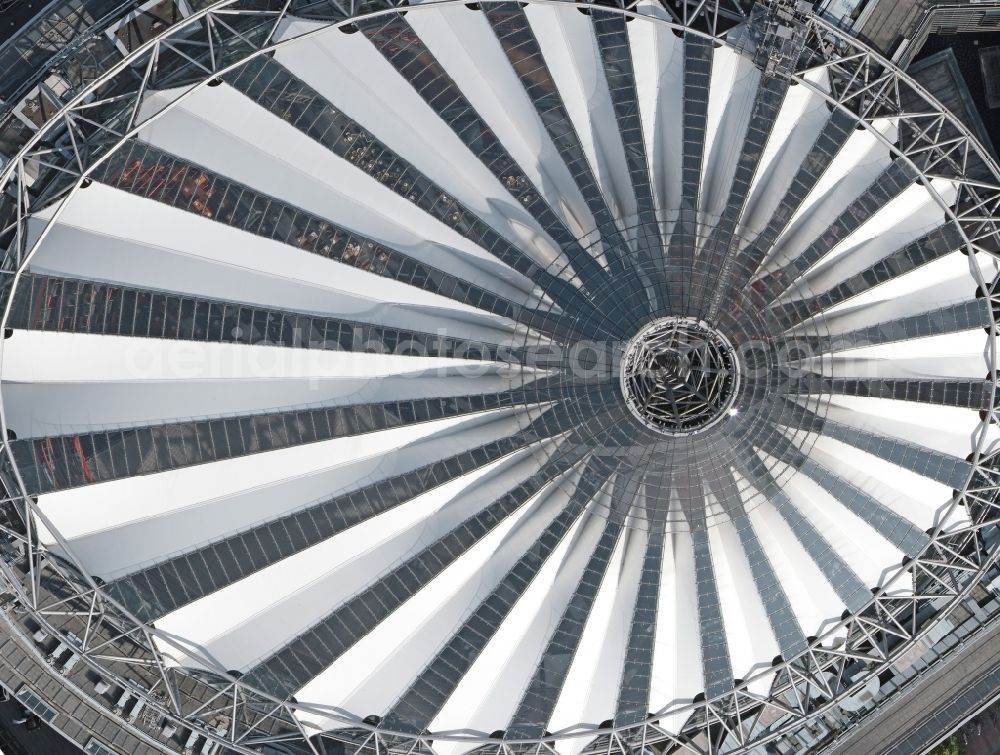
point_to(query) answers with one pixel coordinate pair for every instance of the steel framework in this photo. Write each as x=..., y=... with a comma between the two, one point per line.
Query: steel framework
x=678, y=376
x=219, y=37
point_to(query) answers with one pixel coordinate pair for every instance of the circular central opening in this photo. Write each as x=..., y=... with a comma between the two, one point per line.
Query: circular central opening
x=679, y=376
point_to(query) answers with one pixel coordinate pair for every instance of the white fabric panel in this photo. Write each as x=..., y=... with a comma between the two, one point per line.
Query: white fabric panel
x=971, y=365
x=291, y=27
x=907, y=420
x=211, y=260
x=130, y=246
x=408, y=644
x=465, y=44
x=341, y=68
x=156, y=101
x=209, y=129
x=138, y=540
x=570, y=51
x=44, y=356
x=658, y=63
x=967, y=342
x=946, y=293
x=92, y=508
x=69, y=408
x=676, y=672
x=954, y=267
x=860, y=546
x=904, y=219
x=730, y=102
x=851, y=171
x=246, y=621
x=949, y=267
x=590, y=692
x=800, y=121
x=748, y=631
x=809, y=592
x=912, y=496
x=500, y=675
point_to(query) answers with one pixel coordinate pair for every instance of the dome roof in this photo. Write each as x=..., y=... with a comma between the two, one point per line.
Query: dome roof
x=511, y=369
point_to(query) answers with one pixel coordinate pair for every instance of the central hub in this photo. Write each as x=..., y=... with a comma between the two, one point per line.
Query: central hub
x=679, y=376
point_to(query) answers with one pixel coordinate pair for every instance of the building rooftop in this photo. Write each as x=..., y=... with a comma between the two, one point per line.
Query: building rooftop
x=642, y=396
